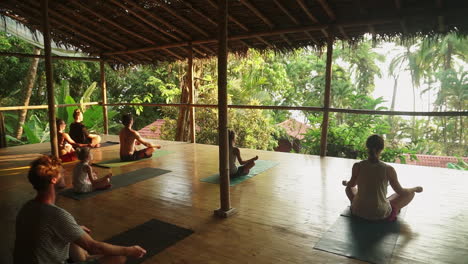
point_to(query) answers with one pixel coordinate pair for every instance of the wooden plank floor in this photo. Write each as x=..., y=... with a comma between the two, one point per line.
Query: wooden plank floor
x=282, y=213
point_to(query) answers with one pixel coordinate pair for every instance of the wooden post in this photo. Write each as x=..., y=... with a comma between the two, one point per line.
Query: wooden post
x=49, y=80
x=328, y=75
x=225, y=209
x=104, y=97
x=3, y=143
x=192, y=94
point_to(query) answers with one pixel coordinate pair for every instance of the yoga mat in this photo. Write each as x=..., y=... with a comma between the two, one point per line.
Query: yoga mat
x=118, y=181
x=117, y=163
x=354, y=237
x=260, y=166
x=154, y=236
x=109, y=143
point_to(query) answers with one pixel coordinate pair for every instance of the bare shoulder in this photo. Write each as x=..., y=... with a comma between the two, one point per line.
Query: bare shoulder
x=235, y=150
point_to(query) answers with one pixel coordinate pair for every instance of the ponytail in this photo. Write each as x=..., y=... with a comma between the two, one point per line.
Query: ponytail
x=375, y=145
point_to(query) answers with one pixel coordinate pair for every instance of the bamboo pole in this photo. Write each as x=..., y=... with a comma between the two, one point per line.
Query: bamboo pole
x=104, y=96
x=25, y=55
x=225, y=209
x=192, y=94
x=22, y=107
x=3, y=143
x=50, y=83
x=326, y=104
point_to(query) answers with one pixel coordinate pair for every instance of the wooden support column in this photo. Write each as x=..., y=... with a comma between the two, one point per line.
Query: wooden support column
x=3, y=143
x=104, y=97
x=192, y=93
x=225, y=209
x=326, y=104
x=49, y=80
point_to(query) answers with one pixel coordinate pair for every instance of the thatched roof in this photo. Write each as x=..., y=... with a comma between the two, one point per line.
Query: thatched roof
x=160, y=30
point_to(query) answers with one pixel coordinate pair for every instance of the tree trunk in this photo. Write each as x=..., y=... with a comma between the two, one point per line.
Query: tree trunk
x=183, y=119
x=30, y=81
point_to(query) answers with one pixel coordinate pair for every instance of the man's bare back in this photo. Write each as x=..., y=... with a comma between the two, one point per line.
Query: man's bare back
x=127, y=141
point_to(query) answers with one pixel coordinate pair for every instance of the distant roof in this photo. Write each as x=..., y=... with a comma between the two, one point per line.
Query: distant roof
x=148, y=31
x=294, y=128
x=152, y=130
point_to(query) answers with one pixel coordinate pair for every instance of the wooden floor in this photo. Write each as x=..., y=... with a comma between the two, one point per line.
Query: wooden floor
x=282, y=213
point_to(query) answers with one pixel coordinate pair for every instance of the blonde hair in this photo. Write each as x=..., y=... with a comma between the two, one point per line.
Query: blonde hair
x=43, y=170
x=83, y=153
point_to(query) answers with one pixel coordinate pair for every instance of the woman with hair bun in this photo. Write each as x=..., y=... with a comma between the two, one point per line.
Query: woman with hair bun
x=367, y=188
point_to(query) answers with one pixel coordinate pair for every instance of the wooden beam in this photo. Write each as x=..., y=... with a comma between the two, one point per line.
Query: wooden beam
x=257, y=12
x=183, y=19
x=105, y=19
x=286, y=11
x=104, y=96
x=24, y=55
x=238, y=37
x=3, y=142
x=200, y=13
x=343, y=32
x=146, y=21
x=232, y=19
x=192, y=94
x=327, y=9
x=306, y=10
x=49, y=77
x=225, y=199
x=326, y=104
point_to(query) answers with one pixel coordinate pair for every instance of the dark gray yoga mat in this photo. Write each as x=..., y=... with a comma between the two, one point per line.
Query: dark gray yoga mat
x=354, y=237
x=118, y=181
x=154, y=236
x=109, y=143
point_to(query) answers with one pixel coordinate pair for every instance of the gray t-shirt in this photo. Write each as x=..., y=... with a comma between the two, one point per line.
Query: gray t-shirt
x=44, y=233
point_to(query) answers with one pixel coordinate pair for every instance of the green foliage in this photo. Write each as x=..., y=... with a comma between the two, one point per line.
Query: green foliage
x=460, y=165
x=36, y=131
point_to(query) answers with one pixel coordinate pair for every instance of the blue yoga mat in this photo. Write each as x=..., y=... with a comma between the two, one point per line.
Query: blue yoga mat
x=354, y=237
x=118, y=181
x=260, y=166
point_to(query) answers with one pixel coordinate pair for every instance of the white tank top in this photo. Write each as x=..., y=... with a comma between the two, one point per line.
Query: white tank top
x=232, y=161
x=371, y=201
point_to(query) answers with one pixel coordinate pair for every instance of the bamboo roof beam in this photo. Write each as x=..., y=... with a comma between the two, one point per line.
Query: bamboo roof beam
x=162, y=21
x=103, y=18
x=343, y=32
x=200, y=13
x=34, y=11
x=245, y=28
x=402, y=20
x=327, y=9
x=106, y=37
x=185, y=20
x=440, y=18
x=122, y=28
x=309, y=14
x=293, y=19
x=146, y=21
x=141, y=25
x=265, y=19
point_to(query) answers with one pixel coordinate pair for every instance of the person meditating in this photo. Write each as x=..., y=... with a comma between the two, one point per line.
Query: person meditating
x=66, y=144
x=234, y=153
x=372, y=176
x=46, y=233
x=128, y=138
x=80, y=134
x=84, y=178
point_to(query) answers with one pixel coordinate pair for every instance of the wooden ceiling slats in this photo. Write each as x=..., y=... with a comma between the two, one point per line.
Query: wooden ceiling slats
x=145, y=31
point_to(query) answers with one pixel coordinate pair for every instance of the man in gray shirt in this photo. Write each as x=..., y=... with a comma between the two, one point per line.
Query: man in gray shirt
x=46, y=233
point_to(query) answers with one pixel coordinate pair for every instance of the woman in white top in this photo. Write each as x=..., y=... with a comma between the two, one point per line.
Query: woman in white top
x=84, y=179
x=372, y=176
x=234, y=153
